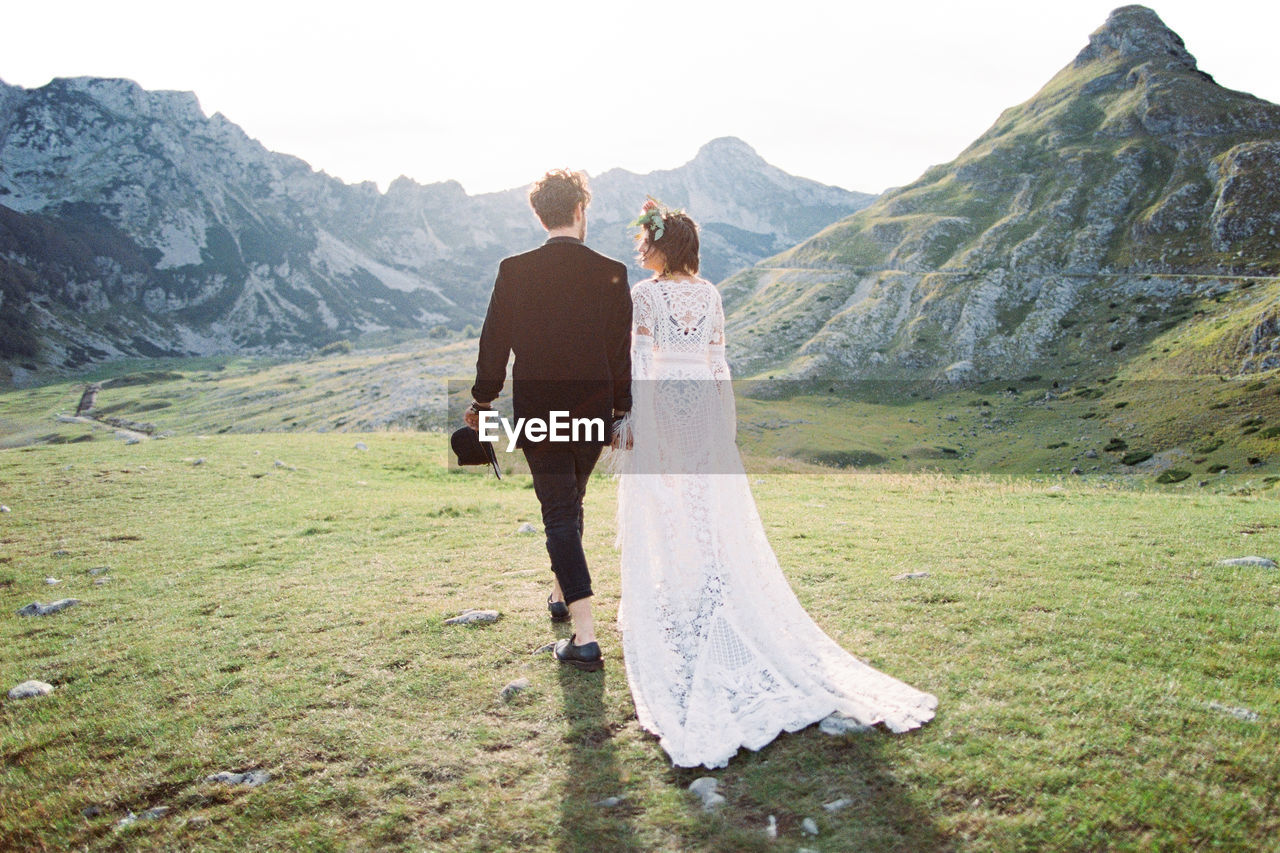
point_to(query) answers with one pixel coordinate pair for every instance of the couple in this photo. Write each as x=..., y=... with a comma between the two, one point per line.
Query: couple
x=719, y=654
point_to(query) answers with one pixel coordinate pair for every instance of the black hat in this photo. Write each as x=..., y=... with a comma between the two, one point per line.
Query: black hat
x=470, y=450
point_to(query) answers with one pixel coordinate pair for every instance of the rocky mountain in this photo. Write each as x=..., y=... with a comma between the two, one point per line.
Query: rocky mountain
x=1131, y=194
x=132, y=224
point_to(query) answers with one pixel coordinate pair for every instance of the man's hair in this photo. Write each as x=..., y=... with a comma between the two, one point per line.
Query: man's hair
x=555, y=196
x=678, y=244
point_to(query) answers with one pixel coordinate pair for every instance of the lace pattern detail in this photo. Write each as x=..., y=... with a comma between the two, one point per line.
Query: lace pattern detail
x=719, y=652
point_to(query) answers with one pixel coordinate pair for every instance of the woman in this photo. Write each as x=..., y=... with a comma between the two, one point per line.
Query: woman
x=719, y=653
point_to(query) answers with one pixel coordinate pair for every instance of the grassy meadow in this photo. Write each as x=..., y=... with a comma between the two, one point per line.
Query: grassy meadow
x=277, y=601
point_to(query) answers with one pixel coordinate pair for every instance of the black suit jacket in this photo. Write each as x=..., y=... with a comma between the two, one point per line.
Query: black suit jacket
x=565, y=311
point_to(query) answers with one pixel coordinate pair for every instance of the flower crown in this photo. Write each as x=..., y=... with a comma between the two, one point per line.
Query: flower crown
x=652, y=216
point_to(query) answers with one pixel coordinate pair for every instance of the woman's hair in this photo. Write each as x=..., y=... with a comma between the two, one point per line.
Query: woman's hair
x=556, y=194
x=678, y=243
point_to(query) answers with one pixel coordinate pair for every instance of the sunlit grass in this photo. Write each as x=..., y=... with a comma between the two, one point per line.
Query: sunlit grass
x=291, y=618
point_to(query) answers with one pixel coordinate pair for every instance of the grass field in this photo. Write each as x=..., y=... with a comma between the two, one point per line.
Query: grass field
x=277, y=601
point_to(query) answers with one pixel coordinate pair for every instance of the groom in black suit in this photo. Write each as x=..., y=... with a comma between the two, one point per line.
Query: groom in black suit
x=565, y=311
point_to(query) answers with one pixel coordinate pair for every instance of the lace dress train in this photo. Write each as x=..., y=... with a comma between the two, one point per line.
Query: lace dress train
x=719, y=652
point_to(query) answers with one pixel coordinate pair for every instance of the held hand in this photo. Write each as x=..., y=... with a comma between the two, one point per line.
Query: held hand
x=622, y=437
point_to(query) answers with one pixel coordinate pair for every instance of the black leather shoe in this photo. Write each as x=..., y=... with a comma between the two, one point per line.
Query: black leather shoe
x=559, y=610
x=585, y=657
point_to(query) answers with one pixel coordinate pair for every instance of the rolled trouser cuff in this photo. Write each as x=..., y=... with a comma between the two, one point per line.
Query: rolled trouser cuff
x=577, y=595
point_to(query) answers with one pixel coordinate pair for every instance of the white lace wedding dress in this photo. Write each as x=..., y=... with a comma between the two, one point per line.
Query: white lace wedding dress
x=719, y=652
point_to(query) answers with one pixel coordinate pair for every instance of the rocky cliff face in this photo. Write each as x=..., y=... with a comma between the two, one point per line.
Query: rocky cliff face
x=132, y=224
x=1083, y=222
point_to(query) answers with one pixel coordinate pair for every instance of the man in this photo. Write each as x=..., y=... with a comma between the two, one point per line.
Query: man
x=565, y=311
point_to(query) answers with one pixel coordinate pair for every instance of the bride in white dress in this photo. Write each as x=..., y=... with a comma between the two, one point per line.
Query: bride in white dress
x=719, y=652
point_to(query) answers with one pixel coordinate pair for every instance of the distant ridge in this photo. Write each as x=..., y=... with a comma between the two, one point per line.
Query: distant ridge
x=132, y=224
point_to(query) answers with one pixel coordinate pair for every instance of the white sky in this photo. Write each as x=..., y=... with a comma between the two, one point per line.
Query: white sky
x=492, y=93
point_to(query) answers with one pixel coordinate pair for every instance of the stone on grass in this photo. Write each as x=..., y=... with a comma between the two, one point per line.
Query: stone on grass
x=62, y=552
x=52, y=581
x=609, y=802
x=526, y=528
x=280, y=464
x=100, y=581
x=838, y=724
x=35, y=608
x=99, y=570
x=771, y=828
x=1254, y=562
x=545, y=649
x=809, y=825
x=360, y=445
x=704, y=787
x=837, y=805
x=910, y=576
x=1239, y=713
x=198, y=821
x=150, y=814
x=1091, y=454
x=197, y=462
x=513, y=689
x=474, y=617
x=30, y=690
x=91, y=811
x=253, y=778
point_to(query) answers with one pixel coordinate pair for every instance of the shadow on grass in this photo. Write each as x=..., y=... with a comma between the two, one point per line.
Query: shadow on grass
x=593, y=772
x=797, y=774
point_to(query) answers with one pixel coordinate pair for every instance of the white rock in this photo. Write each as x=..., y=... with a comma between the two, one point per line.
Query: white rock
x=126, y=820
x=545, y=649
x=609, y=802
x=526, y=528
x=809, y=826
x=197, y=462
x=360, y=445
x=35, y=608
x=253, y=778
x=515, y=687
x=198, y=822
x=910, y=576
x=474, y=617
x=1239, y=713
x=704, y=787
x=837, y=724
x=30, y=690
x=52, y=581
x=837, y=805
x=1255, y=562
x=771, y=829
x=155, y=813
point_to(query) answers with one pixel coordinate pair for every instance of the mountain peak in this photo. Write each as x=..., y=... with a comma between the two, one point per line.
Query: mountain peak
x=1136, y=33
x=727, y=148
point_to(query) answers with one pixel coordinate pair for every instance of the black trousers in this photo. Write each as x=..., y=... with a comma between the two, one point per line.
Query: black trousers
x=560, y=473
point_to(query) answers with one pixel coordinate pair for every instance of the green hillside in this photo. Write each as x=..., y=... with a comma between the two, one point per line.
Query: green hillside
x=1129, y=195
